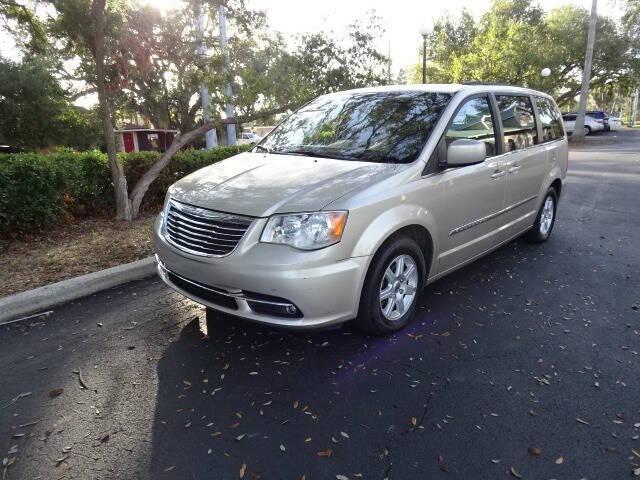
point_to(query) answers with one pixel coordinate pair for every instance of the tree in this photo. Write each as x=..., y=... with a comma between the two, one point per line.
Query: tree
x=139, y=62
x=497, y=48
x=36, y=112
x=578, y=131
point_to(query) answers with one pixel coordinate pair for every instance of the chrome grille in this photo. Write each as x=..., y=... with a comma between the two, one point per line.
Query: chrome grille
x=203, y=232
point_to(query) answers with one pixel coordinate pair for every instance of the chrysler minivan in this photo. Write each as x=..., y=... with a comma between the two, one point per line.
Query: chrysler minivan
x=361, y=198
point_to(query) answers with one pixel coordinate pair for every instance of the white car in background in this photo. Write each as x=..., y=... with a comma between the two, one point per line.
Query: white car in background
x=248, y=138
x=590, y=124
x=615, y=123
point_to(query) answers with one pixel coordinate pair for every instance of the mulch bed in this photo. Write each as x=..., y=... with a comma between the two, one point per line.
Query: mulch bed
x=74, y=249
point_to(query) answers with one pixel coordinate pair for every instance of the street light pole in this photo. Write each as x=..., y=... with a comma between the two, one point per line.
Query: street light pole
x=424, y=58
x=231, y=128
x=211, y=139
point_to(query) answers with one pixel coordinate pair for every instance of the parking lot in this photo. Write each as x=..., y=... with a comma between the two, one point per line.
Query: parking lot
x=523, y=364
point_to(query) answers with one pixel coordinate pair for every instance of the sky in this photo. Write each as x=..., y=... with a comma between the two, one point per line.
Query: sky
x=403, y=20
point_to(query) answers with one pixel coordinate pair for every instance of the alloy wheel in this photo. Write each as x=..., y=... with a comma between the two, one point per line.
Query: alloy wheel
x=398, y=287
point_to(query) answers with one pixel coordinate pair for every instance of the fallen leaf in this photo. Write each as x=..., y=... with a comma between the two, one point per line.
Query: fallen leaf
x=282, y=448
x=55, y=392
x=414, y=421
x=514, y=473
x=325, y=453
x=559, y=461
x=243, y=469
x=534, y=451
x=342, y=477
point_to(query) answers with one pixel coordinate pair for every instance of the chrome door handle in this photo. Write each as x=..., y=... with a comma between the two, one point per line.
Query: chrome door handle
x=498, y=173
x=514, y=169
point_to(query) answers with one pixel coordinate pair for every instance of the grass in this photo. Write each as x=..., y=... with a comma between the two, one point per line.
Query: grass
x=71, y=250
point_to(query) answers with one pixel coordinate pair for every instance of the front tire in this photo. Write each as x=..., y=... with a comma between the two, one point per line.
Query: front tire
x=392, y=287
x=541, y=230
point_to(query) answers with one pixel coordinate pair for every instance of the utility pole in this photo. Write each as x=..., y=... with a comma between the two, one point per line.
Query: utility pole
x=231, y=128
x=389, y=63
x=578, y=131
x=634, y=110
x=424, y=58
x=205, y=100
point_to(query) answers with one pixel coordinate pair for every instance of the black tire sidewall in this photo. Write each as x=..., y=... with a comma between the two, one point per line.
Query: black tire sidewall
x=537, y=235
x=370, y=317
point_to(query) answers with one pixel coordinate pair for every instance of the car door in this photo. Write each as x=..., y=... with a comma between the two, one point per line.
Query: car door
x=525, y=161
x=473, y=194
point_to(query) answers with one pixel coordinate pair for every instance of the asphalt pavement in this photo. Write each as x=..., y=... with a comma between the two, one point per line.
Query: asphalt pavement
x=524, y=364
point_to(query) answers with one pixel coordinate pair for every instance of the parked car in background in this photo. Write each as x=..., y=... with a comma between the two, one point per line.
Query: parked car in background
x=615, y=123
x=11, y=149
x=590, y=124
x=248, y=138
x=361, y=198
x=599, y=116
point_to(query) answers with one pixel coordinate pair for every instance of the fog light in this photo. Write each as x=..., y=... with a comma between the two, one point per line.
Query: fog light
x=291, y=309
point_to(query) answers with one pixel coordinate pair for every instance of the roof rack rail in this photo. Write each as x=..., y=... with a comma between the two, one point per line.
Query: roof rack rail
x=499, y=84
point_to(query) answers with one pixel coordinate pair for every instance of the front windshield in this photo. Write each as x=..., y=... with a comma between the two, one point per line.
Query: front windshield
x=385, y=127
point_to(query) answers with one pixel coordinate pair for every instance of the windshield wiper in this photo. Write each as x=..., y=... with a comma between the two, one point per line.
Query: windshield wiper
x=311, y=153
x=265, y=149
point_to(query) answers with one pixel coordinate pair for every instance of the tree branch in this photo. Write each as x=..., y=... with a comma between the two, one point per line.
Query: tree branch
x=138, y=192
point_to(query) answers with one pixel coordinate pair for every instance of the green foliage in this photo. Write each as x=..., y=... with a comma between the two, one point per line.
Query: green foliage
x=34, y=110
x=37, y=189
x=31, y=188
x=499, y=48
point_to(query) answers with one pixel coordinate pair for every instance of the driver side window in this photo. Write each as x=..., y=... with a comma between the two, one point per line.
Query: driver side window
x=474, y=121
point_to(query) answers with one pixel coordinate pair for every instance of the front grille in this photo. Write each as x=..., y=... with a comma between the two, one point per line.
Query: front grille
x=204, y=232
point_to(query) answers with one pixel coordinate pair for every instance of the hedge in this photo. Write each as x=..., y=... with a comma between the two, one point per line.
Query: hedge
x=38, y=190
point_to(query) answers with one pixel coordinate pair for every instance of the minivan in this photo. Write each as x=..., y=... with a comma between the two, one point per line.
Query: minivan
x=361, y=198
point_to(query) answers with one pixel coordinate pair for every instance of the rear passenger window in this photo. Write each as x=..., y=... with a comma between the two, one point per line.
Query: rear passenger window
x=518, y=122
x=474, y=121
x=550, y=119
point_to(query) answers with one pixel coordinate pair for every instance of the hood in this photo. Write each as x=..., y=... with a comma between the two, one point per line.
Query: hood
x=260, y=185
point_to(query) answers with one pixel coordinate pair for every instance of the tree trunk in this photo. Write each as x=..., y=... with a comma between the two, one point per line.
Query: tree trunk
x=123, y=205
x=578, y=131
x=138, y=192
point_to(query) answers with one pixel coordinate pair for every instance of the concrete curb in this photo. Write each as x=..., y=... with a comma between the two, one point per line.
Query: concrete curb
x=39, y=299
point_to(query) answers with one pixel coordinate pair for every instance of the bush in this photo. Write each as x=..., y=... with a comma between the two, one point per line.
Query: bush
x=37, y=189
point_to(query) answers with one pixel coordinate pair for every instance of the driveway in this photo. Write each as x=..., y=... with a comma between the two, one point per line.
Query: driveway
x=523, y=364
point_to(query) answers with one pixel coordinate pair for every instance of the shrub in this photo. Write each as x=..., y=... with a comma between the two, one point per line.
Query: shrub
x=36, y=189
x=31, y=188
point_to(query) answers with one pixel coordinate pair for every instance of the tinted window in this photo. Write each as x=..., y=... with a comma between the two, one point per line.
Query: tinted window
x=474, y=121
x=569, y=118
x=518, y=122
x=389, y=127
x=550, y=120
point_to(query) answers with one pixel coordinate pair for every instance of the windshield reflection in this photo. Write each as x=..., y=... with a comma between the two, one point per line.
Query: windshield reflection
x=385, y=127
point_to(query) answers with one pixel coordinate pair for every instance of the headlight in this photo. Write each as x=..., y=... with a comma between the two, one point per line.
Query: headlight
x=306, y=231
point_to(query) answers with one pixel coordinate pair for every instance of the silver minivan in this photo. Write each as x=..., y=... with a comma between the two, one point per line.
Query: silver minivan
x=359, y=199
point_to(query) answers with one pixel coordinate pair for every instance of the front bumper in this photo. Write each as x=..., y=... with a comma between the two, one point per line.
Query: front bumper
x=260, y=281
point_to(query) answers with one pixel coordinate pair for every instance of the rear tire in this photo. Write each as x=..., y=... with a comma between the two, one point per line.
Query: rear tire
x=392, y=287
x=545, y=220
x=587, y=131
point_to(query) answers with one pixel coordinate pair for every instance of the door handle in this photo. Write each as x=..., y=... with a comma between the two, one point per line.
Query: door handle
x=498, y=173
x=514, y=168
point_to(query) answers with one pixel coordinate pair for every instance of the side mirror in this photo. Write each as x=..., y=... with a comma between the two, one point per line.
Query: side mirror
x=465, y=151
